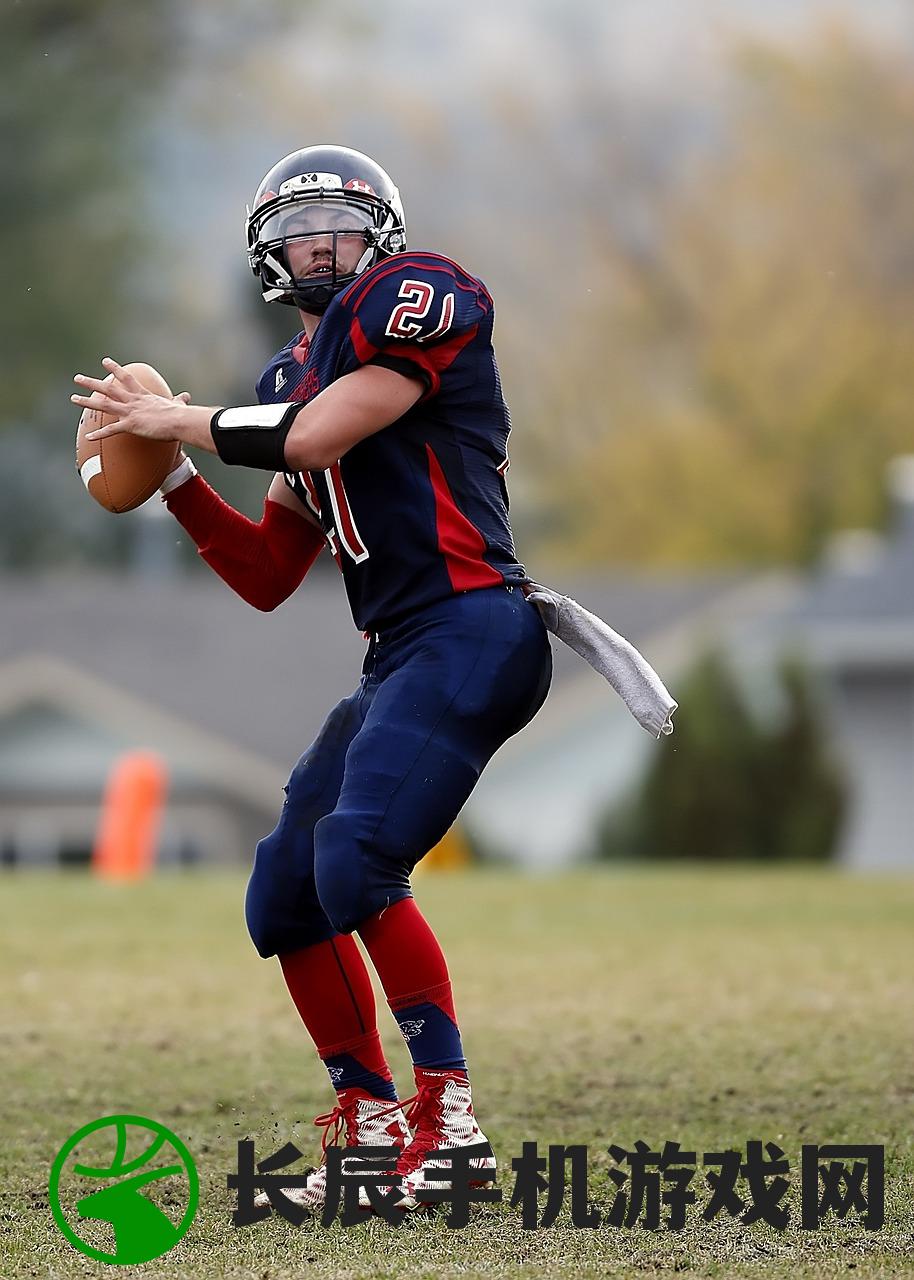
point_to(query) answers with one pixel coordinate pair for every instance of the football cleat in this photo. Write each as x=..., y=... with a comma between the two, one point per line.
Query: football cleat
x=442, y=1118
x=368, y=1122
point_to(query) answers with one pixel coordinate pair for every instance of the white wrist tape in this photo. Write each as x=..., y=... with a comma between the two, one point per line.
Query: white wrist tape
x=183, y=471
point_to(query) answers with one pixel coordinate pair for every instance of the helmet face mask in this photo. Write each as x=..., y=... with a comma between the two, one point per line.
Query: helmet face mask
x=321, y=217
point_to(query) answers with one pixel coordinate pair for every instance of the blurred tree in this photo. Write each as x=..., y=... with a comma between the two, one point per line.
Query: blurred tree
x=732, y=787
x=705, y=319
x=75, y=82
x=86, y=233
x=803, y=787
x=733, y=384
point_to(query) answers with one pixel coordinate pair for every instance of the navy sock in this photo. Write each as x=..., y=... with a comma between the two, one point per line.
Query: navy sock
x=431, y=1034
x=360, y=1064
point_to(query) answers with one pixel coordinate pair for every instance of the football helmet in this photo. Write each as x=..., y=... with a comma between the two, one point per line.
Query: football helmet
x=332, y=201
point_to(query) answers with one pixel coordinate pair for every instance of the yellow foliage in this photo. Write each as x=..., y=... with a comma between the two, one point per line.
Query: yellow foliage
x=733, y=394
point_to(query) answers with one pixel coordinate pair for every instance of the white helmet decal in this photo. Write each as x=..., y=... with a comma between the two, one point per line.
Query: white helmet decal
x=304, y=181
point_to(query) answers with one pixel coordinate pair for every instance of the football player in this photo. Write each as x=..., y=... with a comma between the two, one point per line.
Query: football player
x=384, y=424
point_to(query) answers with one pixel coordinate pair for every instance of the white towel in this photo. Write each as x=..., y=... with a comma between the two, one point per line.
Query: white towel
x=630, y=674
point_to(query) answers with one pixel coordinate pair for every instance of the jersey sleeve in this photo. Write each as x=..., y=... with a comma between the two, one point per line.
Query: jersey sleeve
x=267, y=391
x=413, y=314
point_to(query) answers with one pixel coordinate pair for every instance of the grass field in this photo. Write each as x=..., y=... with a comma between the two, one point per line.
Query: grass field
x=704, y=1007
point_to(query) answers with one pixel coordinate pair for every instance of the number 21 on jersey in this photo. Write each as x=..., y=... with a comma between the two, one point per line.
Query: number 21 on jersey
x=405, y=318
x=344, y=531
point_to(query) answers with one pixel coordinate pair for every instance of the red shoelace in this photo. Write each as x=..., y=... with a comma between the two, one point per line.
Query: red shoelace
x=344, y=1118
x=422, y=1111
x=424, y=1115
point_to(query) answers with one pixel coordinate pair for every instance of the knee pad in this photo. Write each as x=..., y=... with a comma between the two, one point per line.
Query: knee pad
x=337, y=871
x=355, y=874
x=281, y=905
x=257, y=899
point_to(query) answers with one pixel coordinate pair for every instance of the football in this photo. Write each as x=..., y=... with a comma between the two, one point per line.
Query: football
x=123, y=471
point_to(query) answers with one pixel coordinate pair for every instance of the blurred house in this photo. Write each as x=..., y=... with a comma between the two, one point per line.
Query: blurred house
x=855, y=623
x=93, y=666
x=852, y=620
x=541, y=796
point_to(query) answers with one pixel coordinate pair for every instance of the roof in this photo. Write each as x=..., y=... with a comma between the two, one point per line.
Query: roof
x=59, y=723
x=857, y=610
x=263, y=682
x=878, y=586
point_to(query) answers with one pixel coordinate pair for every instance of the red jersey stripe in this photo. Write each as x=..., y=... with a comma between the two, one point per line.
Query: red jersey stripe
x=459, y=541
x=433, y=360
x=364, y=350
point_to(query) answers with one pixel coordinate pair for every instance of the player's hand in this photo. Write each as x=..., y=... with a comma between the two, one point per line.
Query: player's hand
x=135, y=410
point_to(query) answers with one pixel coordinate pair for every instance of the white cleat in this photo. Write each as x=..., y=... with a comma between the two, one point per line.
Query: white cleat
x=368, y=1122
x=442, y=1117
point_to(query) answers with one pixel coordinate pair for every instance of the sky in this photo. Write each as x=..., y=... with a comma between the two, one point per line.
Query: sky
x=433, y=96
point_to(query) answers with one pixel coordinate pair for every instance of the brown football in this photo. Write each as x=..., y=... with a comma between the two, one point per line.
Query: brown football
x=122, y=471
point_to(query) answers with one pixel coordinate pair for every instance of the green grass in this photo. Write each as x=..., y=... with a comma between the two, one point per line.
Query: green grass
x=597, y=1007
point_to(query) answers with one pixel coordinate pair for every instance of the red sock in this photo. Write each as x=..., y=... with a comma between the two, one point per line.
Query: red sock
x=331, y=989
x=406, y=954
x=333, y=994
x=414, y=975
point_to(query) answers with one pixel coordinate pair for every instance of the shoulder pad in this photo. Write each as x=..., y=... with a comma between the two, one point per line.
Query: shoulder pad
x=416, y=297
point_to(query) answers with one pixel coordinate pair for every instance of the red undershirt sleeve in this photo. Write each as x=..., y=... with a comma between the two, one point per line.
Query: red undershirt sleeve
x=262, y=562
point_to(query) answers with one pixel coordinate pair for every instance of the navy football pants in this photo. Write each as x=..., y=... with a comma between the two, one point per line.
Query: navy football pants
x=391, y=768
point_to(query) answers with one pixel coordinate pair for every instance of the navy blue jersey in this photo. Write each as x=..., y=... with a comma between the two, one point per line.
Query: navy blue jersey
x=418, y=511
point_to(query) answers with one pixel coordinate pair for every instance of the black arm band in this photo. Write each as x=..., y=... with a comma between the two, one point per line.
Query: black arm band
x=254, y=436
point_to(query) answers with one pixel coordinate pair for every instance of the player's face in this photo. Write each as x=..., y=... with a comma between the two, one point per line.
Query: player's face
x=309, y=233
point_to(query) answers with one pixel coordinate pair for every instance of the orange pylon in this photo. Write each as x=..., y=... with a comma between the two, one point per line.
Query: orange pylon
x=128, y=829
x=451, y=851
